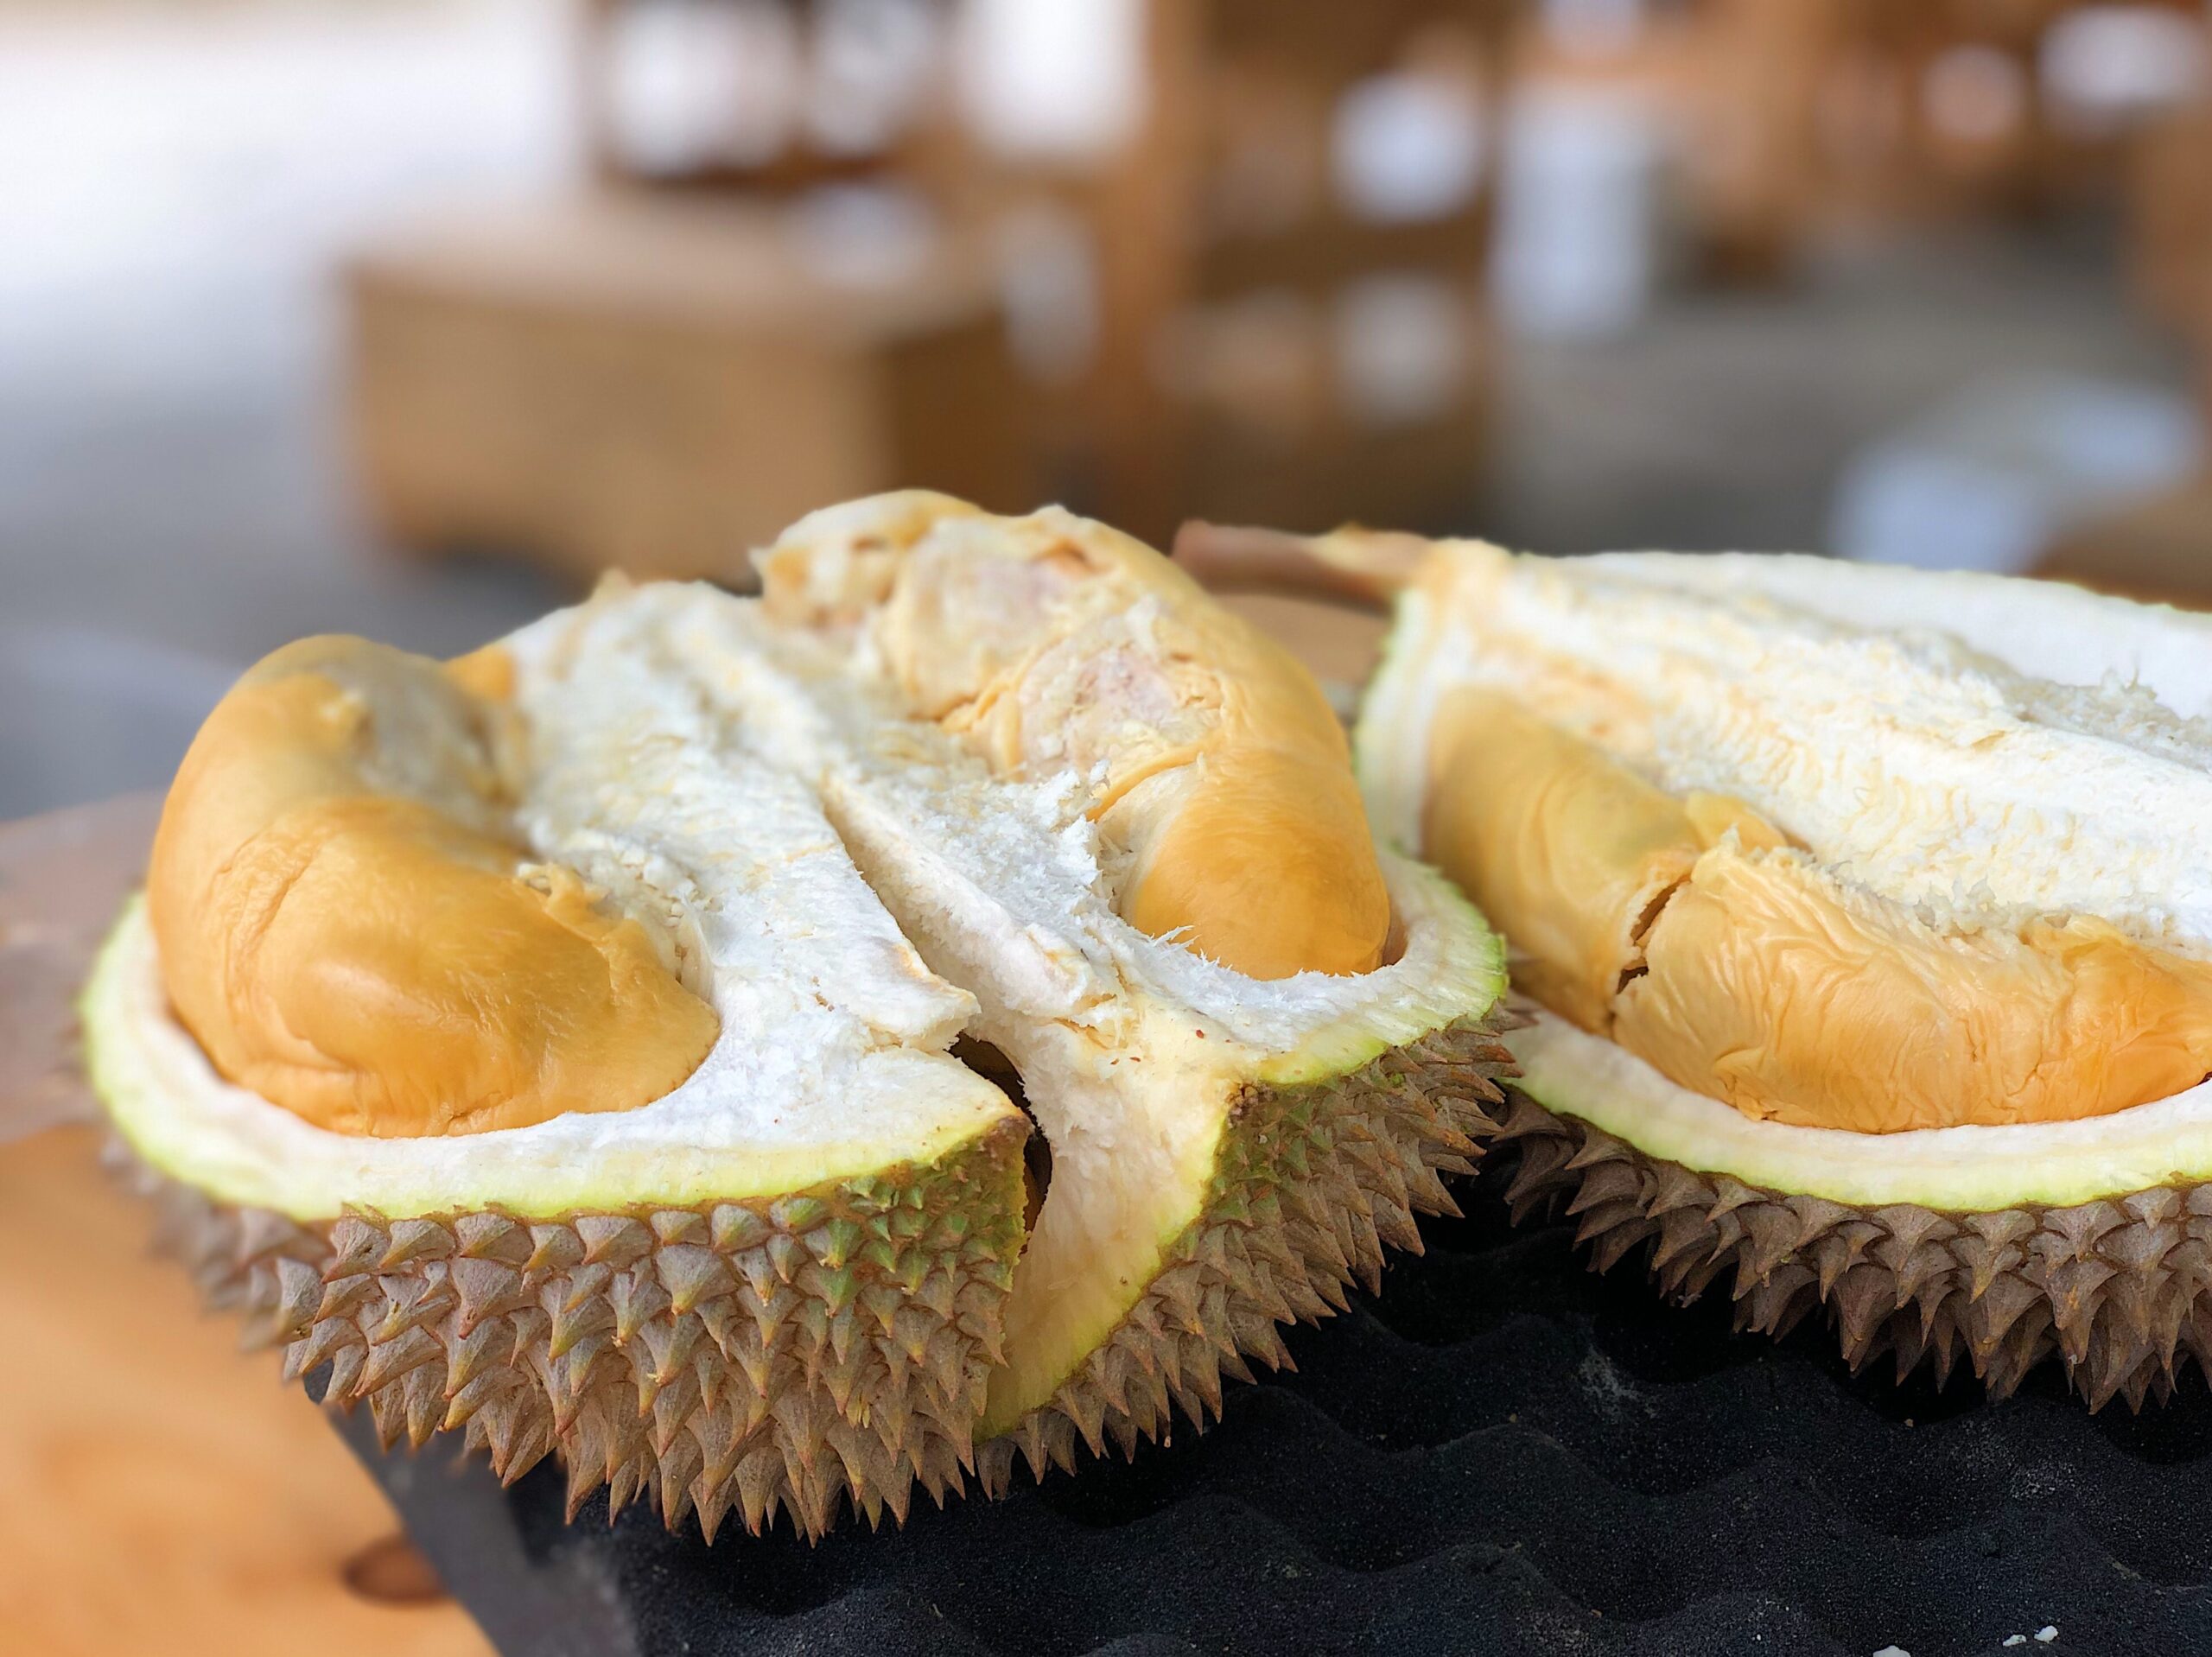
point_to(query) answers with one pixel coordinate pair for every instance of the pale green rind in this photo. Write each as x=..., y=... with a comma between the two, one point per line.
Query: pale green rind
x=156, y=1084
x=1466, y=984
x=1365, y=1150
x=1960, y=1169
x=1451, y=974
x=1383, y=710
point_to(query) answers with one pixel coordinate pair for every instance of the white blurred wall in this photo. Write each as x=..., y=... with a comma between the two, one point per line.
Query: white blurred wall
x=174, y=183
x=173, y=180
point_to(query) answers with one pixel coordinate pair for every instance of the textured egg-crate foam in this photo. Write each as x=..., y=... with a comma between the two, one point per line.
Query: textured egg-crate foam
x=1505, y=1453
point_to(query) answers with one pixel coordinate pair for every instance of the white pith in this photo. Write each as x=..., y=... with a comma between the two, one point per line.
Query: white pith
x=740, y=786
x=2046, y=629
x=1130, y=1047
x=2116, y=825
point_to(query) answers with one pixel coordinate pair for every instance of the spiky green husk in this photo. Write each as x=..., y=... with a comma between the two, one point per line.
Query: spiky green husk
x=747, y=1357
x=1311, y=1181
x=2120, y=1290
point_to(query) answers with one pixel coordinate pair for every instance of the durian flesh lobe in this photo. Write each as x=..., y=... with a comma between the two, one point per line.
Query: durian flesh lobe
x=1691, y=932
x=1223, y=782
x=350, y=927
x=1144, y=1063
x=1926, y=1045
x=791, y=1282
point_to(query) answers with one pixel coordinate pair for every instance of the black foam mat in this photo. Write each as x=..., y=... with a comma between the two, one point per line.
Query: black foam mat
x=1503, y=1453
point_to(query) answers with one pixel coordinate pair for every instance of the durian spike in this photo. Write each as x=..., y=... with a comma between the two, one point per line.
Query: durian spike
x=2116, y=1288
x=736, y=1417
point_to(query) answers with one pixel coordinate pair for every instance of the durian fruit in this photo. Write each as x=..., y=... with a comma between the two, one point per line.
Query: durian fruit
x=623, y=1043
x=1868, y=914
x=1123, y=819
x=407, y=1037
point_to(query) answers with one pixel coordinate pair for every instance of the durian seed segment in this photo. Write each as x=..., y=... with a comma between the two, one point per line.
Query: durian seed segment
x=1835, y=876
x=1692, y=933
x=2018, y=799
x=791, y=1281
x=350, y=928
x=778, y=1287
x=1051, y=642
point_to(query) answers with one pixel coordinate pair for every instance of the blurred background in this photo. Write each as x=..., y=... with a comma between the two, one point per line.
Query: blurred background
x=404, y=317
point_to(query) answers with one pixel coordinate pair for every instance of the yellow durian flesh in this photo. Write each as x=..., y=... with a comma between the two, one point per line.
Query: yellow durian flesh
x=1695, y=936
x=1050, y=643
x=1567, y=852
x=350, y=930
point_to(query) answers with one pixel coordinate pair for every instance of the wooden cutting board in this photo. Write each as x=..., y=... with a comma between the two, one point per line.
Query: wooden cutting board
x=160, y=1491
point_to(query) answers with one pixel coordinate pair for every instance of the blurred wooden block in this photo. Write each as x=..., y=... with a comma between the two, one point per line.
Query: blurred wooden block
x=2159, y=549
x=619, y=380
x=2169, y=219
x=1257, y=299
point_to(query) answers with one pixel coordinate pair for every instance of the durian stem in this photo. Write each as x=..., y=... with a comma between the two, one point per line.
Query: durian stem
x=1360, y=569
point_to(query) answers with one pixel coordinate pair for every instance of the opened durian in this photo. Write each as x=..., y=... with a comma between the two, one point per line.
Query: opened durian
x=1867, y=915
x=622, y=1042
x=1868, y=912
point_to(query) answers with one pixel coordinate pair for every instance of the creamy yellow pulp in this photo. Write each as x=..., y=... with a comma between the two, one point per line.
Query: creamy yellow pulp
x=1692, y=932
x=1223, y=778
x=350, y=932
x=352, y=928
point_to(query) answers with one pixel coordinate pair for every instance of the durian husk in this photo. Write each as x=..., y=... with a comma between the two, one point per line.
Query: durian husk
x=747, y=1357
x=1312, y=1182
x=758, y=1356
x=2119, y=1290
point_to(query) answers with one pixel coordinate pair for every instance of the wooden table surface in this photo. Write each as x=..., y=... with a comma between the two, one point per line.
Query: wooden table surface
x=159, y=1490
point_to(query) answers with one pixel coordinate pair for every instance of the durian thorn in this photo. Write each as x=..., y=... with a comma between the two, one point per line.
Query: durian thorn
x=2115, y=1289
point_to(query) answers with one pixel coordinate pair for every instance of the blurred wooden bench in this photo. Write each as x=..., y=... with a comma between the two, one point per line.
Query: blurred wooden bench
x=620, y=380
